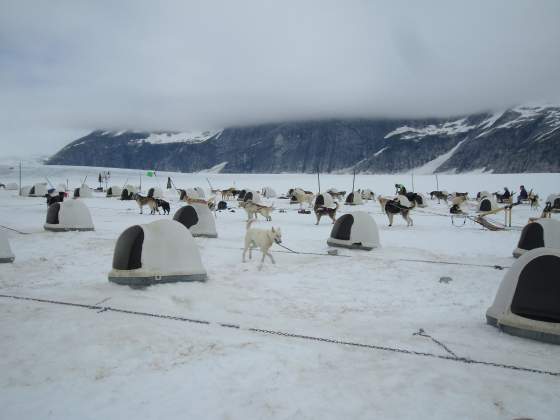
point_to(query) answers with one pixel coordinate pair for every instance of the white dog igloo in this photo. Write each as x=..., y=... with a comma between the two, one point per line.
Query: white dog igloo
x=527, y=303
x=68, y=216
x=355, y=230
x=163, y=251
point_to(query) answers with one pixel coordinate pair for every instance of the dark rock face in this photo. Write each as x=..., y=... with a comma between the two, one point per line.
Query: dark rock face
x=522, y=139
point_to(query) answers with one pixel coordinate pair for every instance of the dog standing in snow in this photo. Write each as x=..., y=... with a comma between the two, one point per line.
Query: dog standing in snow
x=261, y=238
x=146, y=201
x=400, y=204
x=253, y=209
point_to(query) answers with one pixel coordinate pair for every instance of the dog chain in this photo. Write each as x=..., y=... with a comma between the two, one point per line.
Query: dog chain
x=453, y=358
x=422, y=333
x=15, y=230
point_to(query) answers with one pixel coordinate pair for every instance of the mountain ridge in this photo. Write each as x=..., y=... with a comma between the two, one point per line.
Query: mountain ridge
x=520, y=139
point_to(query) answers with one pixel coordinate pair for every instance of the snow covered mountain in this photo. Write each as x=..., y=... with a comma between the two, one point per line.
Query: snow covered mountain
x=521, y=139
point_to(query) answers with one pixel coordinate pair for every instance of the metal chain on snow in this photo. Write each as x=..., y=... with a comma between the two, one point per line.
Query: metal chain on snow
x=458, y=216
x=291, y=251
x=15, y=230
x=422, y=333
x=453, y=358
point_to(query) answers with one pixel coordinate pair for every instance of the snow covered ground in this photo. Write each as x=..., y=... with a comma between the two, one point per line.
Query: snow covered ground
x=62, y=361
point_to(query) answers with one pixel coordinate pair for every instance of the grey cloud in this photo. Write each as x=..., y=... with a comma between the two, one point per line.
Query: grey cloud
x=79, y=65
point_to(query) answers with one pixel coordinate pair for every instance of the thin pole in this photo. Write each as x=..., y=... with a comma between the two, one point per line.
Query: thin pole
x=437, y=183
x=353, y=180
x=412, y=181
x=20, y=177
x=318, y=180
x=140, y=182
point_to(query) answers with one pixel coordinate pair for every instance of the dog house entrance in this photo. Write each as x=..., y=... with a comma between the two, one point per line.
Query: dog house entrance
x=128, y=251
x=52, y=214
x=537, y=295
x=187, y=216
x=342, y=228
x=485, y=205
x=532, y=237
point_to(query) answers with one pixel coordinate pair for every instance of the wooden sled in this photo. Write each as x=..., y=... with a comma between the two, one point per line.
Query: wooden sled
x=482, y=221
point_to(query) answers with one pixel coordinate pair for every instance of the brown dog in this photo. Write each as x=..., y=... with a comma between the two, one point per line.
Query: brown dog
x=146, y=201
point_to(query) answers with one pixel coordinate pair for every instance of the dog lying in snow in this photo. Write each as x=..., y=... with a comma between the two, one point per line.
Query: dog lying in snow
x=392, y=206
x=253, y=209
x=261, y=238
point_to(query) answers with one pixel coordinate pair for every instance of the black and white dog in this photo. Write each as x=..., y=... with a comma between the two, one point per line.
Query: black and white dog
x=399, y=205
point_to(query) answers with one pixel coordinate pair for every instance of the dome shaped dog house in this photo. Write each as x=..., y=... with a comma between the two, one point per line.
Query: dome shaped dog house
x=554, y=200
x=83, y=192
x=487, y=204
x=163, y=251
x=324, y=200
x=68, y=215
x=6, y=254
x=131, y=188
x=200, y=192
x=528, y=300
x=24, y=191
x=128, y=194
x=542, y=233
x=114, y=191
x=198, y=219
x=354, y=198
x=355, y=230
x=368, y=194
x=38, y=190
x=268, y=192
x=191, y=193
x=483, y=194
x=254, y=196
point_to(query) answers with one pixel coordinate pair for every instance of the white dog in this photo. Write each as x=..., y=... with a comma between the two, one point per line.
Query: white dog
x=262, y=238
x=302, y=197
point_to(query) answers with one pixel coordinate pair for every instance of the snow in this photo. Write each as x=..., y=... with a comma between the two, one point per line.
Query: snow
x=488, y=123
x=216, y=169
x=380, y=151
x=431, y=166
x=70, y=362
x=448, y=128
x=527, y=113
x=182, y=137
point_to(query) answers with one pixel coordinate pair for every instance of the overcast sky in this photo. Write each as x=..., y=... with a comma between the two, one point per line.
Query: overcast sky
x=67, y=67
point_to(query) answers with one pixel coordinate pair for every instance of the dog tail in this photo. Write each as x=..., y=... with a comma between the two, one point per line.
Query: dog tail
x=249, y=223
